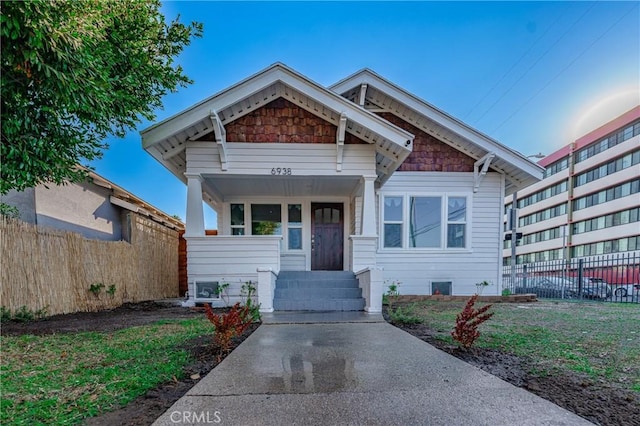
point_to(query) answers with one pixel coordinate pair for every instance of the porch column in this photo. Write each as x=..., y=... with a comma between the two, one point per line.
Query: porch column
x=195, y=215
x=368, y=226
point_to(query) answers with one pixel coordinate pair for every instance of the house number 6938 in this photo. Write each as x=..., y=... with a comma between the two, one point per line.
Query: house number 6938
x=281, y=171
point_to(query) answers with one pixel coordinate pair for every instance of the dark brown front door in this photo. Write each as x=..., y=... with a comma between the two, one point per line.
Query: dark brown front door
x=327, y=236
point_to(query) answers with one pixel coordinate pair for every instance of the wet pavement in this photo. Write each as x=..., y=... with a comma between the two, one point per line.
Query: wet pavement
x=346, y=369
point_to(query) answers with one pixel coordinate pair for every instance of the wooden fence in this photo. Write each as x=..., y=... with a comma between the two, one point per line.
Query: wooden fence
x=41, y=268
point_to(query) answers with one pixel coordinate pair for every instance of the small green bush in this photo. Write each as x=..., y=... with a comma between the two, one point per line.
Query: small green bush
x=5, y=314
x=506, y=292
x=405, y=315
x=248, y=290
x=23, y=314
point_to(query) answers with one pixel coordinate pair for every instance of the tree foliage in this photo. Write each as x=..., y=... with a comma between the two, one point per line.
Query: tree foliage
x=74, y=72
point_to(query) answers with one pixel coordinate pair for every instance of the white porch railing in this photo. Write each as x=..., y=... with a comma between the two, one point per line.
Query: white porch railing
x=233, y=259
x=370, y=281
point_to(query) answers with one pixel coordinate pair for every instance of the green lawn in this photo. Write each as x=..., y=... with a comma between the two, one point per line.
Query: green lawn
x=63, y=378
x=599, y=339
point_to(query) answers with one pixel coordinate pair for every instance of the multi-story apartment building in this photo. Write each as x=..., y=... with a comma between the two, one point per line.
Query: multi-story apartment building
x=589, y=200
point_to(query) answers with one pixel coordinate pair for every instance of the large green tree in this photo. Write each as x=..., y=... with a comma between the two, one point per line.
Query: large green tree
x=74, y=72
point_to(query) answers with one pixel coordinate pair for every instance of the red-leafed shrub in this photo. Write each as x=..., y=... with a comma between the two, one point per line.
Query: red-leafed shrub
x=467, y=322
x=228, y=325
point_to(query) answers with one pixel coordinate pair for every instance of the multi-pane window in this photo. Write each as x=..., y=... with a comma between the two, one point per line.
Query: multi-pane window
x=540, y=256
x=556, y=167
x=270, y=219
x=536, y=237
x=266, y=219
x=611, y=167
x=294, y=226
x=609, y=194
x=393, y=217
x=605, y=247
x=549, y=213
x=432, y=222
x=607, y=221
x=609, y=142
x=237, y=219
x=544, y=194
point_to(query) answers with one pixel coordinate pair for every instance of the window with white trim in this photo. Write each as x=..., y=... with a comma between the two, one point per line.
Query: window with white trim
x=424, y=222
x=392, y=232
x=425, y=219
x=294, y=226
x=456, y=222
x=237, y=219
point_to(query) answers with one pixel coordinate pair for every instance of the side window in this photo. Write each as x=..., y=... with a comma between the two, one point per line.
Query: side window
x=456, y=222
x=392, y=233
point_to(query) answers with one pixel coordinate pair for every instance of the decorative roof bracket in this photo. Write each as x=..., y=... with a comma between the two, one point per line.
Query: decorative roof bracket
x=221, y=138
x=342, y=127
x=478, y=174
x=363, y=94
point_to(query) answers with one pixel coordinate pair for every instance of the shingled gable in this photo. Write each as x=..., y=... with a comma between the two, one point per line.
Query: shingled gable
x=166, y=140
x=373, y=92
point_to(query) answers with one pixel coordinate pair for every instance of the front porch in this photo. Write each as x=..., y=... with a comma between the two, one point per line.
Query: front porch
x=219, y=267
x=311, y=217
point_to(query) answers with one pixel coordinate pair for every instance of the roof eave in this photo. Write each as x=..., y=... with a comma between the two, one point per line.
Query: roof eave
x=488, y=144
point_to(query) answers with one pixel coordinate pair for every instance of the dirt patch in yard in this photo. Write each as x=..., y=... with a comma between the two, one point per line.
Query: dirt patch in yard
x=596, y=401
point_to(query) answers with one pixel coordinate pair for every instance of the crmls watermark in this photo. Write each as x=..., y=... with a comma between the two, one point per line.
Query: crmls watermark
x=194, y=417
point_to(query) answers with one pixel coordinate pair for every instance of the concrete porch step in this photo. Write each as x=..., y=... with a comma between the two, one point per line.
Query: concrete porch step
x=319, y=305
x=318, y=293
x=316, y=275
x=300, y=283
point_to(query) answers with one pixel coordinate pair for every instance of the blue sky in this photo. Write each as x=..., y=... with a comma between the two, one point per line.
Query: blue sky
x=533, y=75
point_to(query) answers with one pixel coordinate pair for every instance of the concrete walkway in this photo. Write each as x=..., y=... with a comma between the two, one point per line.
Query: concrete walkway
x=352, y=369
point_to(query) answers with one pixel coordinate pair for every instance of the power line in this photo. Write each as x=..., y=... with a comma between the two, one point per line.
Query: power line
x=537, y=61
x=565, y=68
x=516, y=63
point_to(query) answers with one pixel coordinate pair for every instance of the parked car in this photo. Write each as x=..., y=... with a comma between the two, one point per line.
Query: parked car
x=624, y=290
x=547, y=287
x=594, y=288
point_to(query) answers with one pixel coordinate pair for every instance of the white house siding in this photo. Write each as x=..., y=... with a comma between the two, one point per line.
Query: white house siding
x=261, y=158
x=293, y=262
x=415, y=270
x=202, y=157
x=232, y=259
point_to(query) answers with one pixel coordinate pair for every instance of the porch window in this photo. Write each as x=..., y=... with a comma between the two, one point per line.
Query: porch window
x=266, y=219
x=294, y=226
x=392, y=233
x=237, y=219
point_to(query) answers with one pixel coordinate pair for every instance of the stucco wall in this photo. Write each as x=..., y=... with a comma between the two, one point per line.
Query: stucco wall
x=84, y=208
x=24, y=201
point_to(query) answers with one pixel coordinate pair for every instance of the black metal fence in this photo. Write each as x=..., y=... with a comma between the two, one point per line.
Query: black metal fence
x=607, y=278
